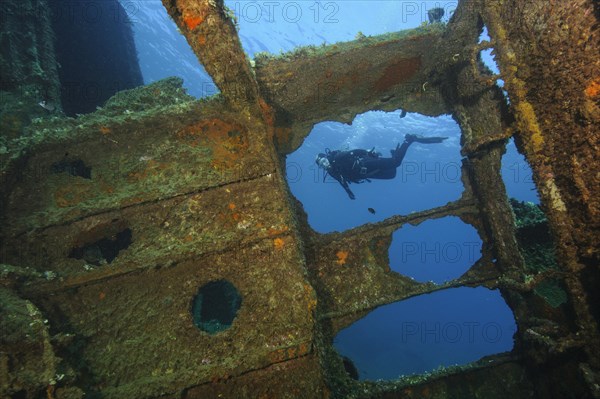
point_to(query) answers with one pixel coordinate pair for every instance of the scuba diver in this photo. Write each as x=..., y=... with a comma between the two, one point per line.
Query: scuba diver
x=358, y=166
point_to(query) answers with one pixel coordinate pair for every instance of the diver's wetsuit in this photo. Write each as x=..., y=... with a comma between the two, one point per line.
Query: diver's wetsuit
x=356, y=166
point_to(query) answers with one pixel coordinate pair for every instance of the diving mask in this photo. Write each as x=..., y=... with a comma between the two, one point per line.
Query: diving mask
x=322, y=161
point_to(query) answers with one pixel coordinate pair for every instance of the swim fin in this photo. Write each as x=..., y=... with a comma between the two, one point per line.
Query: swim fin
x=430, y=140
x=425, y=140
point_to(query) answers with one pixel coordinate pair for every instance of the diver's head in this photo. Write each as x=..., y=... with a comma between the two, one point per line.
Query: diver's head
x=322, y=161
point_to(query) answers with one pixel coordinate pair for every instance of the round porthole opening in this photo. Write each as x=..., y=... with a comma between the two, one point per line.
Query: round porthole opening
x=215, y=306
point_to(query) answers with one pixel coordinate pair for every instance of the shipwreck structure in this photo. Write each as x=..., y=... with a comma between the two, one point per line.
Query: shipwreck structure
x=152, y=248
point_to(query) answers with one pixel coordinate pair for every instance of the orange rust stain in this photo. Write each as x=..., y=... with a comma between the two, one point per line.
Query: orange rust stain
x=267, y=113
x=193, y=22
x=202, y=40
x=72, y=195
x=61, y=202
x=228, y=141
x=104, y=186
x=50, y=391
x=593, y=89
x=152, y=168
x=278, y=356
x=132, y=201
x=217, y=379
x=289, y=353
x=303, y=349
x=278, y=243
x=273, y=231
x=102, y=295
x=398, y=72
x=225, y=219
x=331, y=84
x=341, y=257
x=104, y=130
x=283, y=134
x=228, y=217
x=188, y=238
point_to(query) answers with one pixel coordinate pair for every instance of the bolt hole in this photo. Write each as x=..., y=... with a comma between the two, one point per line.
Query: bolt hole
x=75, y=167
x=103, y=251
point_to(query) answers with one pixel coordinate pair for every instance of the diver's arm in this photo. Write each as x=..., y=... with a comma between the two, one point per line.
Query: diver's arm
x=342, y=181
x=344, y=184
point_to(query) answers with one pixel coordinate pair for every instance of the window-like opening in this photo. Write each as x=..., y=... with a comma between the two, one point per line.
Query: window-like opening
x=421, y=334
x=517, y=175
x=487, y=58
x=215, y=306
x=532, y=230
x=538, y=249
x=74, y=167
x=429, y=175
x=103, y=251
x=436, y=250
x=159, y=43
x=280, y=27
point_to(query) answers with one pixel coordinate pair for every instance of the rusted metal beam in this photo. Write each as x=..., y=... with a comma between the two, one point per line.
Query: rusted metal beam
x=209, y=28
x=339, y=81
x=548, y=57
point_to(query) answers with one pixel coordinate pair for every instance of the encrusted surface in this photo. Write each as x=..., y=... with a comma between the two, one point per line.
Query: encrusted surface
x=162, y=232
x=28, y=64
x=548, y=56
x=138, y=332
x=136, y=161
x=199, y=186
x=27, y=359
x=351, y=270
x=288, y=380
x=315, y=84
x=558, y=121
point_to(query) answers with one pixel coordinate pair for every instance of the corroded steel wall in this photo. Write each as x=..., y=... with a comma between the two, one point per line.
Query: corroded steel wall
x=199, y=186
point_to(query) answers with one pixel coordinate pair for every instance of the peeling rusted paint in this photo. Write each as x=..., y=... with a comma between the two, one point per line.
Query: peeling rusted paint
x=397, y=73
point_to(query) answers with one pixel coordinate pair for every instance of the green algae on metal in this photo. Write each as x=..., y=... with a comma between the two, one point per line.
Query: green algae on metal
x=330, y=49
x=164, y=98
x=537, y=249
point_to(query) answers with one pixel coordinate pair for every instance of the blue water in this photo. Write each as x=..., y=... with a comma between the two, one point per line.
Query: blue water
x=517, y=175
x=269, y=26
x=428, y=177
x=163, y=51
x=488, y=57
x=437, y=250
x=280, y=26
x=445, y=328
x=449, y=327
